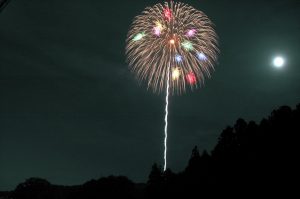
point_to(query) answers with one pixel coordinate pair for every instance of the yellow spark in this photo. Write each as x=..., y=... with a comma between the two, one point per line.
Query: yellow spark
x=175, y=73
x=159, y=25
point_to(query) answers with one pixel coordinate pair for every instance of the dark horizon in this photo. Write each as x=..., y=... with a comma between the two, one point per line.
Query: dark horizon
x=70, y=110
x=248, y=159
x=280, y=115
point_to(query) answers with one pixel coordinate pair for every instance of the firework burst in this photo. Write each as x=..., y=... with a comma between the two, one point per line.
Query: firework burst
x=172, y=45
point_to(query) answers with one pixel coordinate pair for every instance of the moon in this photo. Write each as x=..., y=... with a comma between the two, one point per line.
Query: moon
x=278, y=62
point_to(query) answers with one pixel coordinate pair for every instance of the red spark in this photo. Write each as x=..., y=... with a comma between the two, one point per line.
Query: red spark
x=168, y=14
x=191, y=78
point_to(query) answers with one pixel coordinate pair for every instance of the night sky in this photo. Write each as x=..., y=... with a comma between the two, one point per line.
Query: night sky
x=70, y=110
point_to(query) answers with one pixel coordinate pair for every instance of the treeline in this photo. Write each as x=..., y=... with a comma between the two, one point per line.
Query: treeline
x=249, y=160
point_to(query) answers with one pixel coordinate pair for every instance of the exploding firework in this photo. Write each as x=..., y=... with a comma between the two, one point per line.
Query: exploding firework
x=172, y=45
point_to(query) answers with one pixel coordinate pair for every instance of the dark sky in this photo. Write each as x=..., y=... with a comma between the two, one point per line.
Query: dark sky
x=70, y=110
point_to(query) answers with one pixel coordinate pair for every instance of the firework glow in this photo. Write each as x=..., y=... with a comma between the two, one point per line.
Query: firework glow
x=171, y=47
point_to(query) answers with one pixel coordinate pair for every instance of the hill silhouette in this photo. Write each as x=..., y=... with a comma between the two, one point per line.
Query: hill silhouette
x=249, y=160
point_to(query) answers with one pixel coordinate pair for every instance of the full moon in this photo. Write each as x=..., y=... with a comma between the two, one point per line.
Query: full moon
x=278, y=62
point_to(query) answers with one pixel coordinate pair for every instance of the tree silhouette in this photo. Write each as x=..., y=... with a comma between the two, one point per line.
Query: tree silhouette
x=33, y=188
x=194, y=162
x=155, y=181
x=109, y=187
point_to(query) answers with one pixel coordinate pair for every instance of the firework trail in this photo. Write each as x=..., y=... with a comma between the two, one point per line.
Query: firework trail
x=171, y=47
x=166, y=122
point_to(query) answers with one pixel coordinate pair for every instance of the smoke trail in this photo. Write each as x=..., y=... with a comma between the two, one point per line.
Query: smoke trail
x=166, y=119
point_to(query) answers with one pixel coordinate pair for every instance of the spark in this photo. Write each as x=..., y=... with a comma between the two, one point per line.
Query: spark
x=175, y=73
x=191, y=33
x=201, y=56
x=191, y=78
x=138, y=37
x=187, y=45
x=159, y=25
x=158, y=28
x=178, y=58
x=168, y=14
x=157, y=31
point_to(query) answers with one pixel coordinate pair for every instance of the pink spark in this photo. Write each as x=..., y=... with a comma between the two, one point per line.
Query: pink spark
x=191, y=33
x=157, y=31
